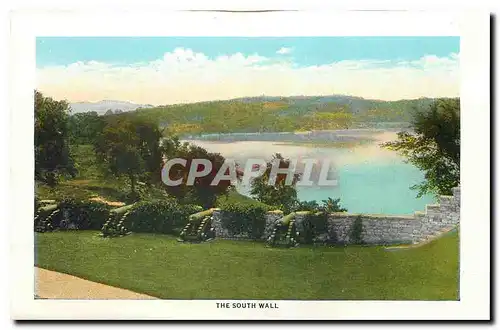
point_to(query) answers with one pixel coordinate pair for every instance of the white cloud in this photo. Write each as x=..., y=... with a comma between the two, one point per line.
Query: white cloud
x=284, y=50
x=185, y=76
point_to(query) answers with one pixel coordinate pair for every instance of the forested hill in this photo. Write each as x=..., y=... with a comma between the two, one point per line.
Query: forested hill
x=279, y=114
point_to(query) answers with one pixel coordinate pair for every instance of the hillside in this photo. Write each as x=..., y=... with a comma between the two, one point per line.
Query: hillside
x=280, y=114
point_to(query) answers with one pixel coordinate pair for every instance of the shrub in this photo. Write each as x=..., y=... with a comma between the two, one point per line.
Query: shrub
x=357, y=231
x=312, y=206
x=156, y=216
x=332, y=205
x=245, y=219
x=280, y=194
x=85, y=214
x=132, y=197
x=327, y=205
x=314, y=225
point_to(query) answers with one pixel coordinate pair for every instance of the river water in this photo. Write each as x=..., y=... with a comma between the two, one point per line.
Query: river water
x=370, y=179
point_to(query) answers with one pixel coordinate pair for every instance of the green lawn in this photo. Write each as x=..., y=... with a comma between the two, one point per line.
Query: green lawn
x=234, y=197
x=82, y=190
x=160, y=266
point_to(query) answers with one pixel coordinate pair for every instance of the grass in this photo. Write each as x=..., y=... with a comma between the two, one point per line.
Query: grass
x=82, y=189
x=162, y=267
x=234, y=197
x=86, y=162
x=89, y=181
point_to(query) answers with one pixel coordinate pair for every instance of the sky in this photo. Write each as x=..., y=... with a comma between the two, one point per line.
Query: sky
x=169, y=70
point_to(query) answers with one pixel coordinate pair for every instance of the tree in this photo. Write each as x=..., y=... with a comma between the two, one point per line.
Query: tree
x=52, y=156
x=327, y=205
x=85, y=127
x=150, y=149
x=202, y=191
x=130, y=147
x=329, y=120
x=434, y=146
x=280, y=194
x=332, y=205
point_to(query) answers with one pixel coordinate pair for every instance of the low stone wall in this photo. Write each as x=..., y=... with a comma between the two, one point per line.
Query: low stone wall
x=376, y=229
x=220, y=231
x=384, y=229
x=437, y=217
x=271, y=218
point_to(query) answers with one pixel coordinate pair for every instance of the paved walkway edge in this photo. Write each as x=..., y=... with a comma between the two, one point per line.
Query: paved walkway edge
x=54, y=285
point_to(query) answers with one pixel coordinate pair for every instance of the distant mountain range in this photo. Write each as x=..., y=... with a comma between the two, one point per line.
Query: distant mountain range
x=101, y=107
x=281, y=114
x=306, y=103
x=266, y=113
x=355, y=104
x=295, y=103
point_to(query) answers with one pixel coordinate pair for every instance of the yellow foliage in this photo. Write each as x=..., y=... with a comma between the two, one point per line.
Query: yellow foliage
x=176, y=129
x=275, y=105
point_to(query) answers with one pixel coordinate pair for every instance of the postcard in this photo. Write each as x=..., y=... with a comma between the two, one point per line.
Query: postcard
x=250, y=166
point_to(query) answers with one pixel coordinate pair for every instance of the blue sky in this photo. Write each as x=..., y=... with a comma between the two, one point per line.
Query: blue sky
x=305, y=50
x=164, y=70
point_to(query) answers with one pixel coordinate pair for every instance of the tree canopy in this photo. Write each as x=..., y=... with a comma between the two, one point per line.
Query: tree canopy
x=202, y=191
x=52, y=156
x=281, y=194
x=434, y=146
x=130, y=147
x=85, y=127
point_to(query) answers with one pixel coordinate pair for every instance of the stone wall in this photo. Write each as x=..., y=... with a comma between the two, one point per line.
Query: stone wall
x=220, y=231
x=377, y=229
x=384, y=229
x=438, y=217
x=271, y=218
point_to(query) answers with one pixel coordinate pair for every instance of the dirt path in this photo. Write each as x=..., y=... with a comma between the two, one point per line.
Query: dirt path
x=54, y=285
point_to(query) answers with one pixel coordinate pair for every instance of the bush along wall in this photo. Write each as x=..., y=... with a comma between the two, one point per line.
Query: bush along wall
x=356, y=235
x=301, y=227
x=156, y=216
x=83, y=214
x=70, y=214
x=240, y=220
x=314, y=228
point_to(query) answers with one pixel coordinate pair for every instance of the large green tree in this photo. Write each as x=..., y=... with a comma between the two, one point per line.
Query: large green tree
x=281, y=194
x=202, y=191
x=434, y=146
x=85, y=127
x=52, y=156
x=130, y=147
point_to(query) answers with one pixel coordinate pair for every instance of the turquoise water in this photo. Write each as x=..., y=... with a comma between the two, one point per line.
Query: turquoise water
x=374, y=188
x=370, y=179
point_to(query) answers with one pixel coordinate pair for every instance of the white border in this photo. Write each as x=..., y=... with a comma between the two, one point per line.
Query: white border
x=472, y=27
